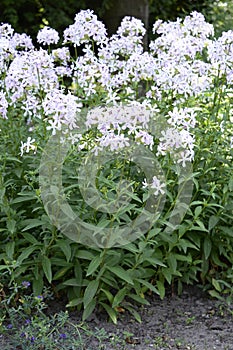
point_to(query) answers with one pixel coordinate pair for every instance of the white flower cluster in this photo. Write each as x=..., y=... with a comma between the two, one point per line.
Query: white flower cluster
x=86, y=27
x=61, y=109
x=117, y=123
x=47, y=36
x=183, y=61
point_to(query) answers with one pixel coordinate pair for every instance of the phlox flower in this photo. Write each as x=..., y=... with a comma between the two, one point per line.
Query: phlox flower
x=145, y=138
x=61, y=58
x=6, y=30
x=26, y=284
x=3, y=105
x=33, y=70
x=156, y=185
x=61, y=109
x=131, y=26
x=179, y=143
x=28, y=146
x=86, y=28
x=112, y=141
x=131, y=117
x=183, y=117
x=61, y=54
x=185, y=156
x=47, y=36
x=22, y=41
x=31, y=105
x=196, y=24
x=220, y=54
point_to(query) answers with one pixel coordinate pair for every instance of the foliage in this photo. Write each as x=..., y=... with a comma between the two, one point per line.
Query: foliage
x=220, y=13
x=182, y=86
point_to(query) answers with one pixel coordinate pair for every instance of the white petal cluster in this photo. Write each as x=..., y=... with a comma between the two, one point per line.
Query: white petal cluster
x=86, y=27
x=47, y=36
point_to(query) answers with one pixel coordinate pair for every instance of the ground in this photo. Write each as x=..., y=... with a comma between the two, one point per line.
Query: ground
x=192, y=321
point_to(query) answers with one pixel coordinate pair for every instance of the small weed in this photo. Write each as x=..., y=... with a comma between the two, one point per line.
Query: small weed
x=190, y=320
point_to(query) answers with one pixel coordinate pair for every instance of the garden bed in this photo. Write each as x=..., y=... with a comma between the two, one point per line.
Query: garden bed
x=192, y=321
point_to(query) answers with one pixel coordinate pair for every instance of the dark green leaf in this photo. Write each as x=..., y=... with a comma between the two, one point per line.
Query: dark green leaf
x=207, y=247
x=121, y=273
x=46, y=264
x=94, y=264
x=89, y=309
x=119, y=297
x=111, y=312
x=90, y=292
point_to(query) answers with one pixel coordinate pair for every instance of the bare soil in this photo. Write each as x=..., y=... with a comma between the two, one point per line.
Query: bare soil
x=192, y=321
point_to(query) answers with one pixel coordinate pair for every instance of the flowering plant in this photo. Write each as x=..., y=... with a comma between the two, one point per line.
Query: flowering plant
x=170, y=104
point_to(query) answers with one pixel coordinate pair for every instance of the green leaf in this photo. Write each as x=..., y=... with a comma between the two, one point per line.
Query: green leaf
x=213, y=220
x=73, y=282
x=121, y=273
x=37, y=285
x=167, y=274
x=230, y=185
x=89, y=309
x=75, y=302
x=11, y=223
x=216, y=285
x=108, y=295
x=14, y=159
x=94, y=264
x=172, y=262
x=25, y=254
x=184, y=244
x=10, y=249
x=148, y=285
x=134, y=313
x=119, y=297
x=111, y=312
x=33, y=223
x=60, y=273
x=46, y=264
x=201, y=225
x=181, y=257
x=139, y=299
x=90, y=292
x=85, y=254
x=207, y=247
x=215, y=294
x=155, y=262
x=23, y=197
x=161, y=289
x=198, y=211
x=30, y=238
x=65, y=247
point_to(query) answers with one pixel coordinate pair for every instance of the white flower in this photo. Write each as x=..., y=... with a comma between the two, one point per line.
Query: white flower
x=61, y=109
x=157, y=186
x=47, y=36
x=85, y=28
x=27, y=146
x=3, y=105
x=22, y=41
